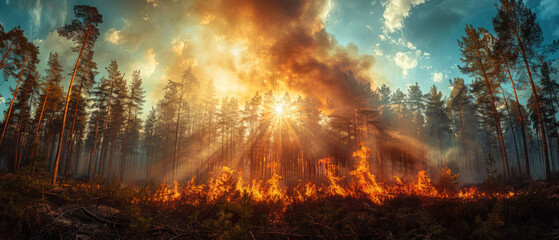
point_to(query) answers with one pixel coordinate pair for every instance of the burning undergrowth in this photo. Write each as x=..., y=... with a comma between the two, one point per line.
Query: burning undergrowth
x=231, y=207
x=361, y=184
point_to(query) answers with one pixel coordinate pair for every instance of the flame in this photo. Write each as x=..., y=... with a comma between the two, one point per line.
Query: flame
x=424, y=186
x=229, y=185
x=334, y=188
x=365, y=179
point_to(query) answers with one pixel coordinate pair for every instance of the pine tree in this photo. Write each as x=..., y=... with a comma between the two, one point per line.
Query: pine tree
x=476, y=59
x=505, y=55
x=438, y=121
x=134, y=105
x=515, y=25
x=12, y=44
x=78, y=103
x=82, y=32
x=26, y=57
x=50, y=101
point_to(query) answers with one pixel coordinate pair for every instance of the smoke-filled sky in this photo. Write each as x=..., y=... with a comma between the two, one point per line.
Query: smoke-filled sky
x=300, y=46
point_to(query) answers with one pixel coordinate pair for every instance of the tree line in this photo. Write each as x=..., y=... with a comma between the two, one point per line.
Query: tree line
x=96, y=128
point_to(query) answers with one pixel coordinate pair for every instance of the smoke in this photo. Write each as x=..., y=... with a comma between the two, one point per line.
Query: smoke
x=279, y=44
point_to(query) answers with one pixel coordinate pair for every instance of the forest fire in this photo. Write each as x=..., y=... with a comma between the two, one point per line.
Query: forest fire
x=229, y=185
x=279, y=119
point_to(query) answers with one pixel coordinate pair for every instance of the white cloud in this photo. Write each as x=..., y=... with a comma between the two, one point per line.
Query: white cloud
x=325, y=13
x=36, y=13
x=154, y=3
x=411, y=46
x=2, y=99
x=437, y=77
x=406, y=61
x=114, y=36
x=396, y=11
x=148, y=63
x=54, y=43
x=378, y=52
x=179, y=45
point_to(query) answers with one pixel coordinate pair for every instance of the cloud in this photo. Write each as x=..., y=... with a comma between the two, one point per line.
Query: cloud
x=113, y=36
x=548, y=9
x=148, y=64
x=411, y=46
x=396, y=11
x=406, y=61
x=54, y=43
x=179, y=45
x=437, y=76
x=154, y=3
x=247, y=45
x=35, y=13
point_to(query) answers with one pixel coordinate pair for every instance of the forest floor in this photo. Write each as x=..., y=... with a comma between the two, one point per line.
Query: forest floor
x=31, y=209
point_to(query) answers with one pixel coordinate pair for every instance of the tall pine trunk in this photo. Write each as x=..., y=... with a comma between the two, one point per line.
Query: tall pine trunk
x=124, y=146
x=71, y=142
x=512, y=128
x=535, y=93
x=92, y=157
x=522, y=127
x=58, y=151
x=6, y=55
x=13, y=98
x=497, y=120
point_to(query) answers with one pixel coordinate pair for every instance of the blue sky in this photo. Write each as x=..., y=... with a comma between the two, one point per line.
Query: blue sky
x=427, y=37
x=409, y=40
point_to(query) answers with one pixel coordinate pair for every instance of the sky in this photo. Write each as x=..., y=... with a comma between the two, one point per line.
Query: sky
x=299, y=46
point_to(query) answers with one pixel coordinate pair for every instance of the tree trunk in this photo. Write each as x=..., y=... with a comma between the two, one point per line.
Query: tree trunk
x=497, y=121
x=540, y=120
x=6, y=55
x=92, y=157
x=71, y=142
x=55, y=172
x=512, y=128
x=175, y=163
x=104, y=144
x=124, y=146
x=13, y=98
x=522, y=127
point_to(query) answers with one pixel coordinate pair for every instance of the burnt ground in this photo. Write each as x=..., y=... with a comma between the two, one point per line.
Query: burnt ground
x=31, y=209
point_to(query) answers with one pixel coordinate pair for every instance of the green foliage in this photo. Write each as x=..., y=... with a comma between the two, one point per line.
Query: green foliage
x=493, y=180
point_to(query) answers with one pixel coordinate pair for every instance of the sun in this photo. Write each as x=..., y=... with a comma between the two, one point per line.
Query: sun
x=279, y=108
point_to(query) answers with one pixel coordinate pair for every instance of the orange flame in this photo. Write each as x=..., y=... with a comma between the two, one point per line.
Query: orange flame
x=229, y=185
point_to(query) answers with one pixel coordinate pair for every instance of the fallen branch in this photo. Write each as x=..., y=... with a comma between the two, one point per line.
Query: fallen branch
x=100, y=219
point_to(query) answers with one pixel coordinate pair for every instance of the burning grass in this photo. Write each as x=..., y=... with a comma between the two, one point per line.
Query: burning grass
x=229, y=186
x=229, y=207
